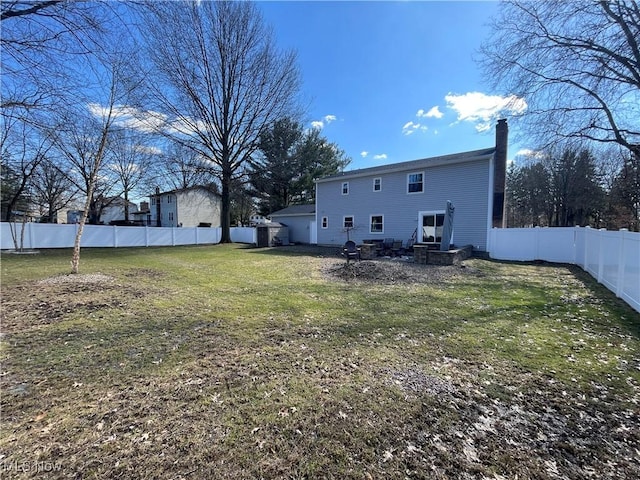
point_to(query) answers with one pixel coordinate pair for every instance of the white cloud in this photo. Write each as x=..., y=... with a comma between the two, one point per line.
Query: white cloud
x=434, y=112
x=411, y=127
x=364, y=154
x=531, y=154
x=326, y=120
x=484, y=109
x=382, y=156
x=130, y=117
x=483, y=127
x=148, y=149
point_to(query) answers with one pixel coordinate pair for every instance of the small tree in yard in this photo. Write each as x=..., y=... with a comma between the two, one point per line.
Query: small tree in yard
x=83, y=137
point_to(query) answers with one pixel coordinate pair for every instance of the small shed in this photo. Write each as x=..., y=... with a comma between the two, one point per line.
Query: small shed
x=272, y=234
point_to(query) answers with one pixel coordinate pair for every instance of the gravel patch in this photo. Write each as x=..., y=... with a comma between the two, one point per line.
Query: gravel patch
x=90, y=278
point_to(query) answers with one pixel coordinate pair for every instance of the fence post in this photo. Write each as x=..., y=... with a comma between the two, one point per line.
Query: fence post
x=197, y=236
x=146, y=235
x=600, y=255
x=32, y=244
x=173, y=237
x=620, y=275
x=115, y=236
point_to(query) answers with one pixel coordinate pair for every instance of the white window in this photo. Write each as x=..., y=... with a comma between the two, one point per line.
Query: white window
x=415, y=182
x=325, y=222
x=171, y=216
x=376, y=225
x=169, y=198
x=345, y=188
x=153, y=200
x=347, y=221
x=377, y=184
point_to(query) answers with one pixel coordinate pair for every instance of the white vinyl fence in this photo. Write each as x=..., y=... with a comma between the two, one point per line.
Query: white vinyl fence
x=49, y=235
x=613, y=258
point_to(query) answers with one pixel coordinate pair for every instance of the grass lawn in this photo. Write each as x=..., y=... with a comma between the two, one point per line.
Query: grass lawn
x=236, y=363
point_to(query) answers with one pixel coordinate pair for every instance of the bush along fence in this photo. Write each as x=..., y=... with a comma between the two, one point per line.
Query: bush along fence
x=611, y=257
x=48, y=235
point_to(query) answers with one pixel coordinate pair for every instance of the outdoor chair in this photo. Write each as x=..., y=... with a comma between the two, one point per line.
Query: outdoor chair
x=351, y=251
x=379, y=246
x=397, y=249
x=410, y=244
x=387, y=245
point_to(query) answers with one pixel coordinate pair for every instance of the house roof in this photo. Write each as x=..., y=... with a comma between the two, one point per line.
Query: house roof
x=462, y=157
x=295, y=210
x=180, y=190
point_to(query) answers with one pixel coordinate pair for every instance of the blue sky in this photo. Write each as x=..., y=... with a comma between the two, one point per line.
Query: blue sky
x=394, y=81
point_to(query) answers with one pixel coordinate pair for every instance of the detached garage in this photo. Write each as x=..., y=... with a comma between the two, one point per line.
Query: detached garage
x=299, y=219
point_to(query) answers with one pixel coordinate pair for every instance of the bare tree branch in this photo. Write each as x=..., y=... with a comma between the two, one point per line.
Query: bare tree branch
x=577, y=64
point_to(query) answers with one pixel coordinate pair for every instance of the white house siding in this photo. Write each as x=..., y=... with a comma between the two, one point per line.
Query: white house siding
x=115, y=212
x=197, y=206
x=465, y=184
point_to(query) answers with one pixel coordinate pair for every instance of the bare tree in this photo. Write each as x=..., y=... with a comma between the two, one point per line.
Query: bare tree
x=129, y=161
x=181, y=167
x=23, y=148
x=577, y=63
x=217, y=78
x=83, y=135
x=53, y=189
x=40, y=43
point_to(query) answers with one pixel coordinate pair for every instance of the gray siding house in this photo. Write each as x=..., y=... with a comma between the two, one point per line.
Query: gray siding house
x=299, y=219
x=188, y=207
x=408, y=199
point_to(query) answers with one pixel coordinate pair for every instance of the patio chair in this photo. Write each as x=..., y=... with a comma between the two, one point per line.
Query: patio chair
x=410, y=243
x=397, y=249
x=387, y=245
x=379, y=246
x=351, y=251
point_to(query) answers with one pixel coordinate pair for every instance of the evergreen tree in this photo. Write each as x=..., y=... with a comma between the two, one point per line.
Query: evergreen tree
x=288, y=162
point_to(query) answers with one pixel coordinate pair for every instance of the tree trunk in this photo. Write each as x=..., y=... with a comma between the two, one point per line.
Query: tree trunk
x=126, y=205
x=225, y=214
x=75, y=258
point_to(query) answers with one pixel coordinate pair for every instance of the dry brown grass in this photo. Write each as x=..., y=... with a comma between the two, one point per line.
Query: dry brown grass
x=222, y=362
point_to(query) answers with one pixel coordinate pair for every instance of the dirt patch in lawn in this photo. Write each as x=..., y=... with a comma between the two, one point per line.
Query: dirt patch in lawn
x=54, y=298
x=394, y=271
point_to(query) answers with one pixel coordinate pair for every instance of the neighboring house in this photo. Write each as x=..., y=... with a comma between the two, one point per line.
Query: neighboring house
x=188, y=207
x=299, y=219
x=257, y=220
x=114, y=210
x=408, y=199
x=143, y=215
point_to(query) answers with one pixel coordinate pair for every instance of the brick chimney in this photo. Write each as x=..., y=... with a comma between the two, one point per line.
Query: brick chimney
x=158, y=212
x=499, y=175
